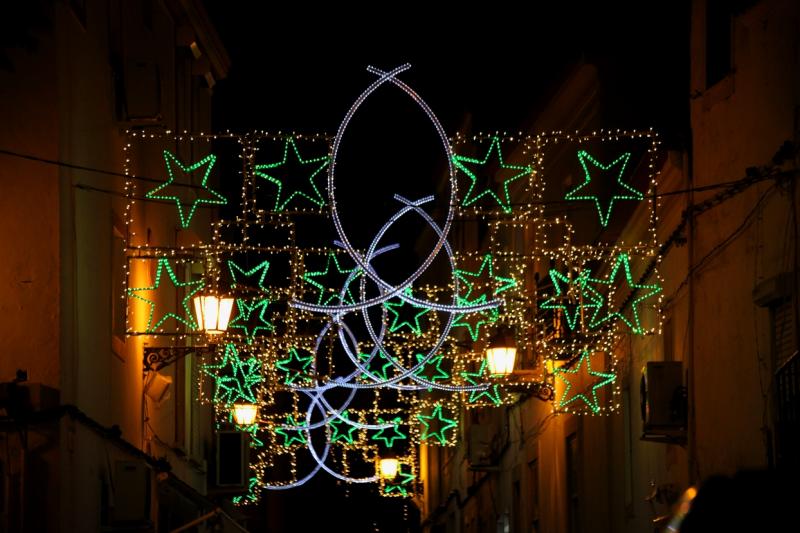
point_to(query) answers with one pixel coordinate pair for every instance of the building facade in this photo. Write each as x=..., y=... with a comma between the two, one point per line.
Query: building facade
x=83, y=434
x=726, y=227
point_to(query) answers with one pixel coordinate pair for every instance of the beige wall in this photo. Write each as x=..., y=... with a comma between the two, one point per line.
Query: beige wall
x=29, y=214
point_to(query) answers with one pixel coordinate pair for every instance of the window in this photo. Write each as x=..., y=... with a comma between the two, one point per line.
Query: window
x=573, y=477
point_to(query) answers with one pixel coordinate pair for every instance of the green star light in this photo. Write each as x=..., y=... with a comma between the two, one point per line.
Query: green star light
x=393, y=429
x=208, y=163
x=244, y=316
x=327, y=295
x=339, y=434
x=591, y=400
x=399, y=482
x=382, y=372
x=192, y=287
x=443, y=423
x=435, y=362
x=316, y=165
x=397, y=323
x=259, y=270
x=291, y=373
x=473, y=321
x=291, y=435
x=471, y=197
x=572, y=311
x=475, y=378
x=236, y=379
x=623, y=265
x=629, y=194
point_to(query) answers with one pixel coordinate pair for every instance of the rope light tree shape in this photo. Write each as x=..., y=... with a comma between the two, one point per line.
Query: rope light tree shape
x=350, y=373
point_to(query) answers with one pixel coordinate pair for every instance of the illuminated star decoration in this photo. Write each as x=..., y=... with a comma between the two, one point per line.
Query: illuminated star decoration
x=382, y=372
x=236, y=379
x=339, y=434
x=191, y=288
x=244, y=317
x=238, y=273
x=628, y=192
x=293, y=374
x=470, y=279
x=282, y=198
x=290, y=435
x=208, y=163
x=591, y=398
x=443, y=423
x=646, y=291
x=328, y=295
x=399, y=483
x=475, y=378
x=397, y=323
x=563, y=298
x=251, y=496
x=472, y=196
x=434, y=362
x=394, y=432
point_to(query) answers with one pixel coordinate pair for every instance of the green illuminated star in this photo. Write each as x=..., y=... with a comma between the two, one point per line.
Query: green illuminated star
x=310, y=192
x=236, y=379
x=399, y=482
x=591, y=400
x=251, y=496
x=244, y=317
x=339, y=434
x=626, y=191
x=474, y=321
x=397, y=323
x=476, y=378
x=473, y=196
x=291, y=373
x=291, y=435
x=327, y=295
x=622, y=265
x=443, y=423
x=393, y=432
x=191, y=288
x=171, y=161
x=568, y=298
x=237, y=273
x=435, y=362
x=382, y=372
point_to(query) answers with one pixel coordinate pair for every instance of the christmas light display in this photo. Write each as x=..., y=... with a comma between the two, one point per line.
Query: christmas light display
x=172, y=161
x=346, y=368
x=584, y=365
x=629, y=192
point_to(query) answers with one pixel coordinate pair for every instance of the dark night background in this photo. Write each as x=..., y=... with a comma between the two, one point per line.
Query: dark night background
x=299, y=67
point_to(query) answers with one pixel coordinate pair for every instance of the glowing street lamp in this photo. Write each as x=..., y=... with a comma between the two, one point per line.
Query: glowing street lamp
x=389, y=467
x=501, y=353
x=213, y=313
x=244, y=414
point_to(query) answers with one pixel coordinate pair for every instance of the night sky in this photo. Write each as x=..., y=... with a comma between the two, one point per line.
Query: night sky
x=300, y=68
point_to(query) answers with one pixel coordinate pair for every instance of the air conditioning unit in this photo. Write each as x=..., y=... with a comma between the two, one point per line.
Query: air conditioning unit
x=663, y=401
